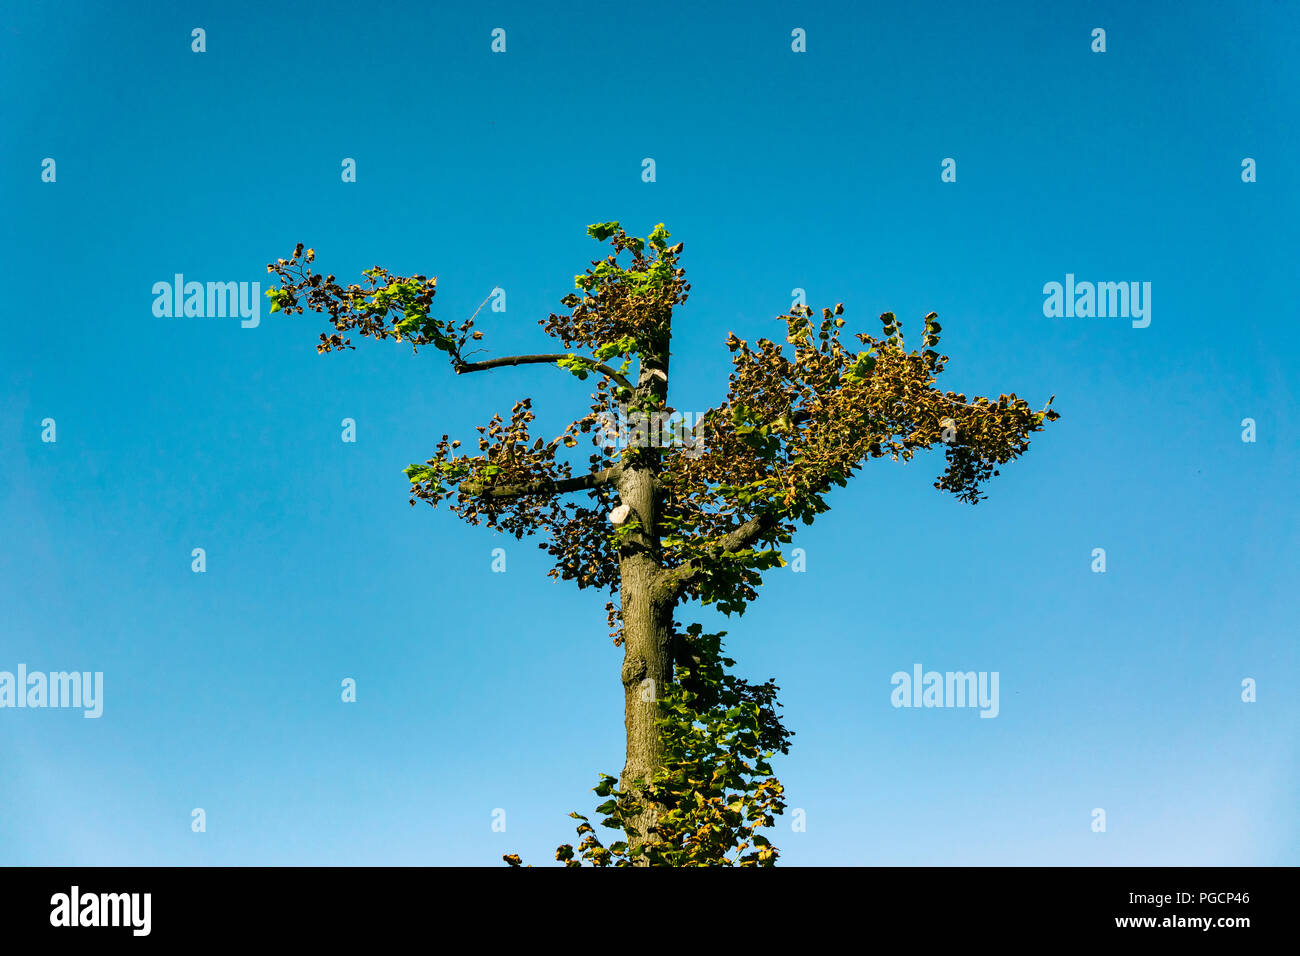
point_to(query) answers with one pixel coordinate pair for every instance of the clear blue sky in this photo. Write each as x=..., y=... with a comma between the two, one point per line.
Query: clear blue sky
x=778, y=170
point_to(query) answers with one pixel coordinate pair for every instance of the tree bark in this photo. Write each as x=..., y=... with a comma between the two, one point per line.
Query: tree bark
x=647, y=670
x=647, y=608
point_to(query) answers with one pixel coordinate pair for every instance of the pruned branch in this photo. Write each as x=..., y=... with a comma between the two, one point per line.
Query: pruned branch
x=549, y=358
x=544, y=486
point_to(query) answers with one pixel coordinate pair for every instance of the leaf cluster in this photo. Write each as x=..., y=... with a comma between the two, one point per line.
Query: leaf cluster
x=715, y=791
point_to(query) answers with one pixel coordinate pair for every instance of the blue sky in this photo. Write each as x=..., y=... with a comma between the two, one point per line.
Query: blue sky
x=816, y=170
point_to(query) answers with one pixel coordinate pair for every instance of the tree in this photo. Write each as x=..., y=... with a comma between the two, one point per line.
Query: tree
x=667, y=511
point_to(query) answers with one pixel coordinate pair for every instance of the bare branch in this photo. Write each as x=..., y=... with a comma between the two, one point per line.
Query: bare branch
x=549, y=358
x=545, y=486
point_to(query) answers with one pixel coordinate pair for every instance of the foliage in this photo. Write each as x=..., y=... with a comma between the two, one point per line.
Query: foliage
x=385, y=307
x=716, y=789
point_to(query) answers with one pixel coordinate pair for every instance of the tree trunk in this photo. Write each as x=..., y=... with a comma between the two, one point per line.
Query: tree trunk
x=647, y=668
x=647, y=615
